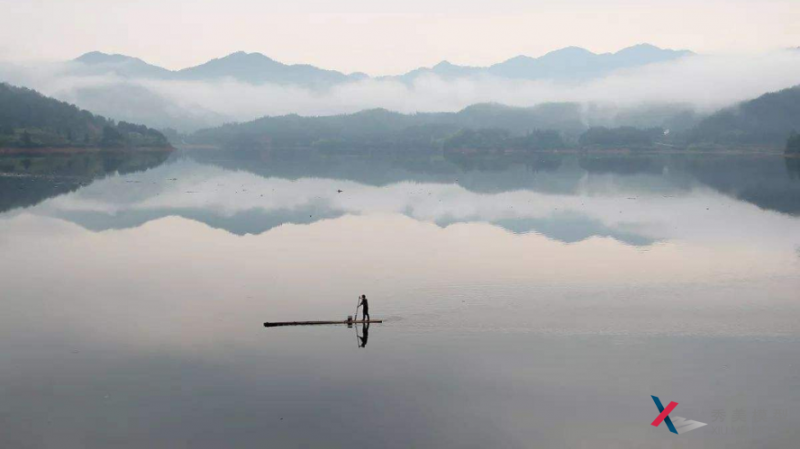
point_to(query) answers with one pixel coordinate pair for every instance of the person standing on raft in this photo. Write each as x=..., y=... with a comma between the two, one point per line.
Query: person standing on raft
x=365, y=304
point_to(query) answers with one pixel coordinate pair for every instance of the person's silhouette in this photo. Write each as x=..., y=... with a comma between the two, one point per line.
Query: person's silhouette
x=365, y=335
x=365, y=304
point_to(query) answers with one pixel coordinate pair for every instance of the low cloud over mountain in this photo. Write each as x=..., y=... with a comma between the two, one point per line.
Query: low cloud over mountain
x=244, y=86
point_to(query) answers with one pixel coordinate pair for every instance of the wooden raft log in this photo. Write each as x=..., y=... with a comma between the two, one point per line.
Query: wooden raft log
x=317, y=323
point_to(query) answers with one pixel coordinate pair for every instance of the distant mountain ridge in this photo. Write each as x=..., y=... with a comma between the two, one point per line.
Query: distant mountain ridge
x=255, y=68
x=567, y=64
x=121, y=65
x=251, y=68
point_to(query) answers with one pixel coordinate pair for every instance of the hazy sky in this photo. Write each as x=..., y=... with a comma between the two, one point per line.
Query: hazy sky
x=385, y=36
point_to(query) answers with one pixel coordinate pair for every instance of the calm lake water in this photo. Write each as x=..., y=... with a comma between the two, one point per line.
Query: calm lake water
x=527, y=305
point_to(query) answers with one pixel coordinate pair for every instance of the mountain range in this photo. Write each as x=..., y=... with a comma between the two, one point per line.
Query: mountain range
x=567, y=64
x=763, y=123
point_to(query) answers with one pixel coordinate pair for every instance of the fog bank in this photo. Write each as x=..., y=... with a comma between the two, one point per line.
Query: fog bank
x=702, y=81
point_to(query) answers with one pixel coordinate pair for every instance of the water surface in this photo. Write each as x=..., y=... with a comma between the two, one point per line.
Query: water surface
x=534, y=304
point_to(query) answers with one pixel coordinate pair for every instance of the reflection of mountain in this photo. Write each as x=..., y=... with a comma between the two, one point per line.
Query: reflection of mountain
x=24, y=191
x=572, y=228
x=545, y=173
x=793, y=167
x=252, y=221
x=567, y=228
x=27, y=180
x=768, y=181
x=570, y=201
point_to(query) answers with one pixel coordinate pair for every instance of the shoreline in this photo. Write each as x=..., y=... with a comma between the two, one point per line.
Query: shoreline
x=46, y=151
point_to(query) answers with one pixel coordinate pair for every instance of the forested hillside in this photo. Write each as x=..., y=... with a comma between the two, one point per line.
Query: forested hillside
x=768, y=120
x=389, y=131
x=30, y=120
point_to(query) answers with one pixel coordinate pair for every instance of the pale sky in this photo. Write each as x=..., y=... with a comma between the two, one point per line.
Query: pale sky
x=385, y=36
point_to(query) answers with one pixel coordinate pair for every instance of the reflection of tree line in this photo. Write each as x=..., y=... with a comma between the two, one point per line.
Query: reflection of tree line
x=768, y=181
x=26, y=180
x=793, y=167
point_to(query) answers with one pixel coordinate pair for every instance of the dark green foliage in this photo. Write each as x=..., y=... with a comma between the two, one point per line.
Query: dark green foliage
x=385, y=131
x=496, y=140
x=543, y=140
x=111, y=137
x=478, y=140
x=767, y=121
x=374, y=129
x=485, y=127
x=621, y=137
x=26, y=140
x=29, y=119
x=793, y=144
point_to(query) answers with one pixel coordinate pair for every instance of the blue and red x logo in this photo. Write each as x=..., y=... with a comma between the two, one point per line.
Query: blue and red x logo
x=664, y=415
x=683, y=425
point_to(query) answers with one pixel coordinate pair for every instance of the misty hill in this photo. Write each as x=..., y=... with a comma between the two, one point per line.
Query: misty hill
x=136, y=103
x=566, y=64
x=505, y=127
x=119, y=65
x=252, y=68
x=30, y=120
x=388, y=131
x=768, y=120
x=444, y=70
x=255, y=68
x=622, y=137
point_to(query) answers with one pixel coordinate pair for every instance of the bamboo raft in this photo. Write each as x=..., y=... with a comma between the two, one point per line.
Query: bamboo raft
x=317, y=323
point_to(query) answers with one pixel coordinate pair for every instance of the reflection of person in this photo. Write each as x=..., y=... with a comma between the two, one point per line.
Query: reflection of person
x=364, y=304
x=365, y=337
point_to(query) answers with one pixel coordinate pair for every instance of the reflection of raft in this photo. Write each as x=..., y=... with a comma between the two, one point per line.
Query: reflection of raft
x=316, y=323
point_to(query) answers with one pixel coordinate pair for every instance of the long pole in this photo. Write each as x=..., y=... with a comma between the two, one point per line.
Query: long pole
x=355, y=318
